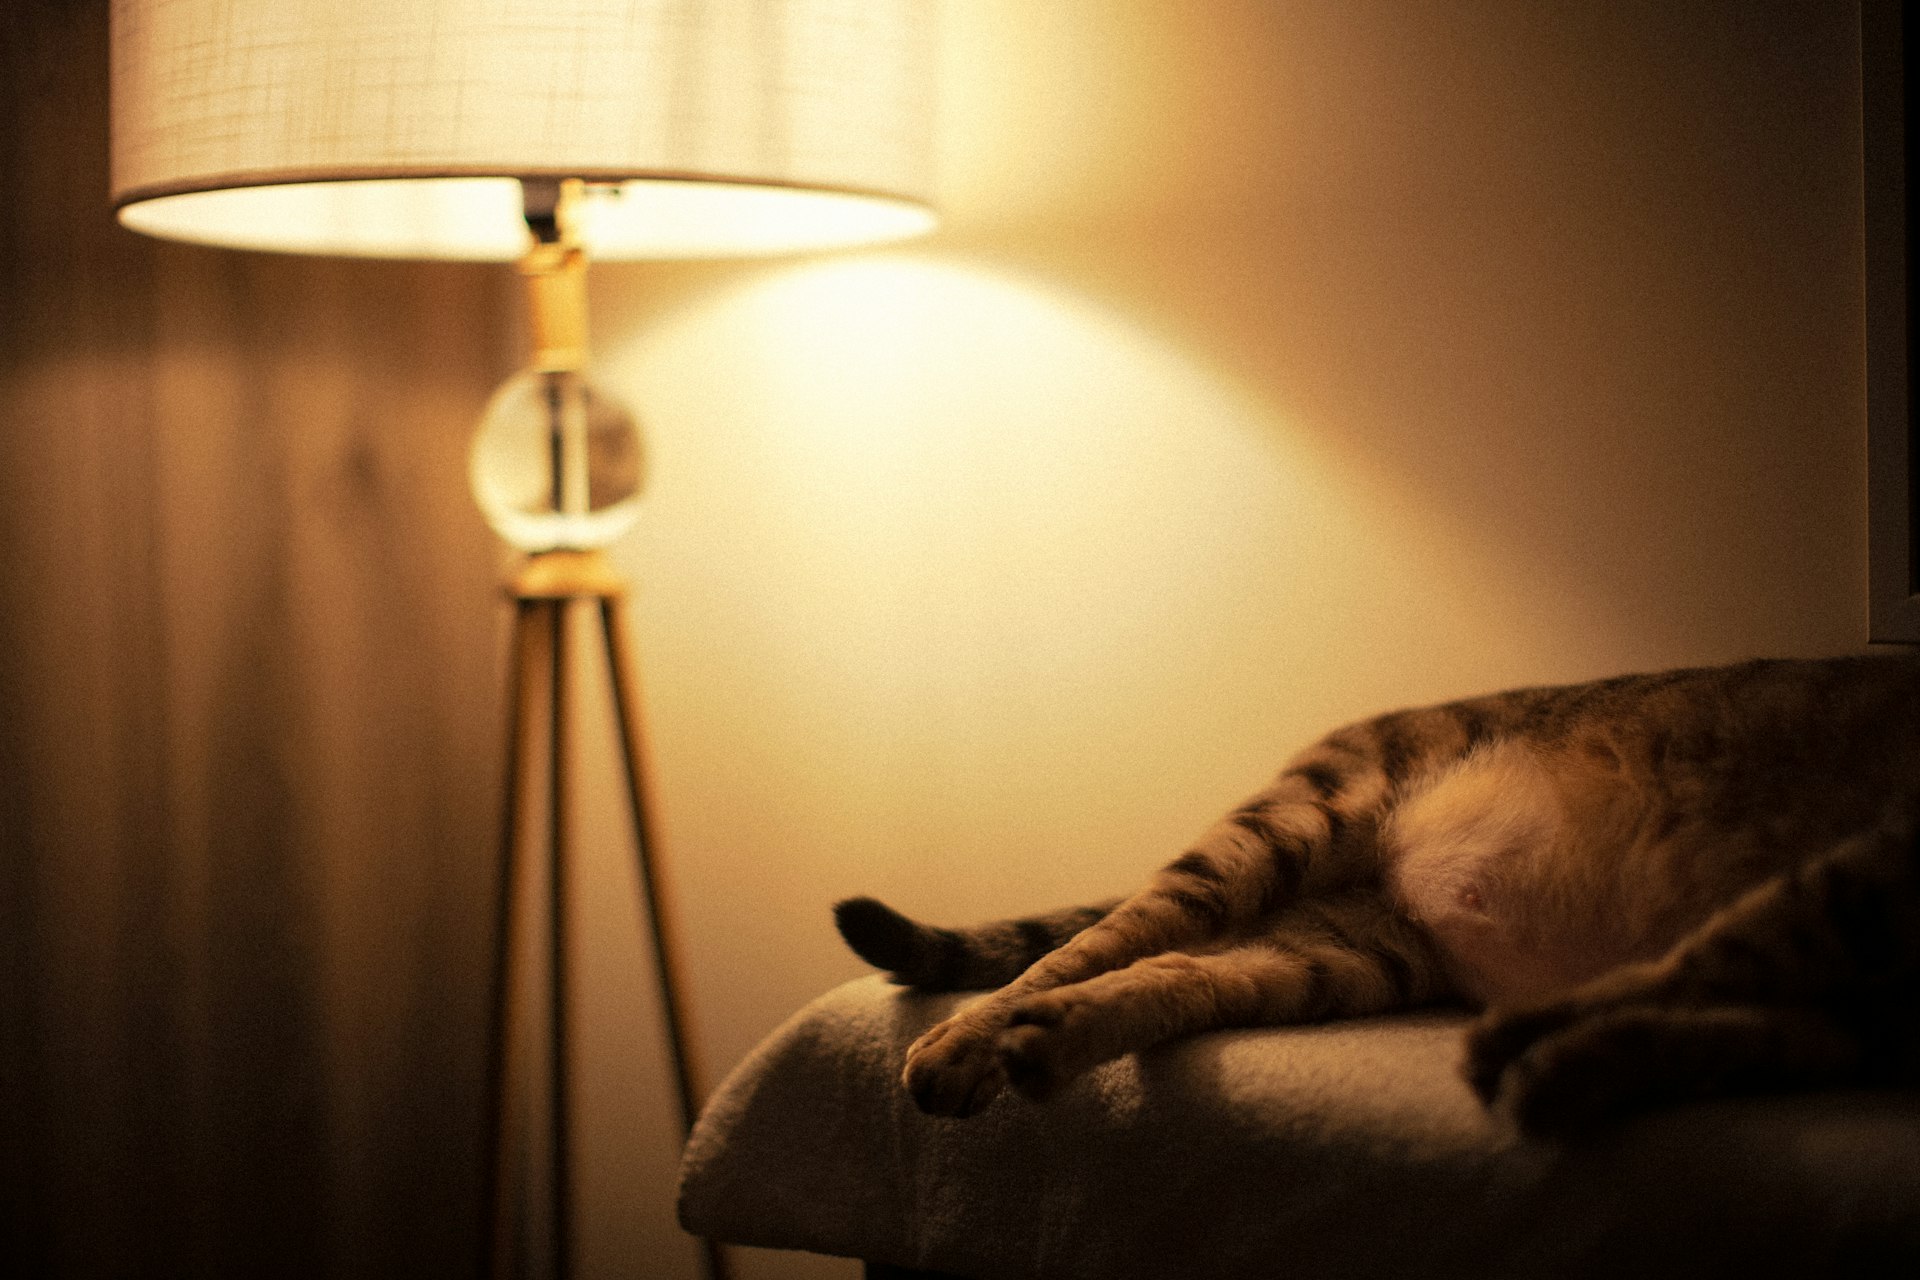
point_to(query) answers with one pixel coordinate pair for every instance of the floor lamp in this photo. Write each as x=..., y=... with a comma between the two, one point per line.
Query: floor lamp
x=546, y=132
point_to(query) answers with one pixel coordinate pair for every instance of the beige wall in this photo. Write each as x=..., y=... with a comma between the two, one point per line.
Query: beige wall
x=1278, y=363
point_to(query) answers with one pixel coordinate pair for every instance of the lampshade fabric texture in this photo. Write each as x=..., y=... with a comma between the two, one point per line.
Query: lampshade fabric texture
x=398, y=128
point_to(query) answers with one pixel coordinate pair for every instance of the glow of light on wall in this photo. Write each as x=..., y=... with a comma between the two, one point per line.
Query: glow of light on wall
x=939, y=557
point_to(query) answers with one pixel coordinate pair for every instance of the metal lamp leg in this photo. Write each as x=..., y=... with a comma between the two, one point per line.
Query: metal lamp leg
x=541, y=676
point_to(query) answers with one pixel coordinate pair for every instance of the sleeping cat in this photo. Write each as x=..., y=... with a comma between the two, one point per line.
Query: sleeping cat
x=1656, y=887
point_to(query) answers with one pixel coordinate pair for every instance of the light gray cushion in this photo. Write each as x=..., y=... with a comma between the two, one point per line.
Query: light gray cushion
x=1349, y=1149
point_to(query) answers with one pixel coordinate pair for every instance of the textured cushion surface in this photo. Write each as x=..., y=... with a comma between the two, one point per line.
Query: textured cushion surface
x=1348, y=1149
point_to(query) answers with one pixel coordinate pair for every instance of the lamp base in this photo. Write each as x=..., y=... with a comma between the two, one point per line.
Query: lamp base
x=544, y=592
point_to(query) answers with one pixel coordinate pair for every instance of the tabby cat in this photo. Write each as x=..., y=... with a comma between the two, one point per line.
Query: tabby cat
x=1655, y=887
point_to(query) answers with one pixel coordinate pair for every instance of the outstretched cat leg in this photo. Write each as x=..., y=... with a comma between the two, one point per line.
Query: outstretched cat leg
x=1243, y=870
x=1330, y=959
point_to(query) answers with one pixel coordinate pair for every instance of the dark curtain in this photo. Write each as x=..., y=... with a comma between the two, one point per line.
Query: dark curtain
x=249, y=729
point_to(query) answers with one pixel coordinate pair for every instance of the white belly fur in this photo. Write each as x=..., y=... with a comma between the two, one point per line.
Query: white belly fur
x=1481, y=856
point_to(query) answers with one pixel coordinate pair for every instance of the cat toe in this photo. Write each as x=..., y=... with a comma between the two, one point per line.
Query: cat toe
x=1490, y=1049
x=1575, y=1081
x=1497, y=1039
x=982, y=1091
x=946, y=1091
x=952, y=1073
x=1552, y=1104
x=1025, y=1062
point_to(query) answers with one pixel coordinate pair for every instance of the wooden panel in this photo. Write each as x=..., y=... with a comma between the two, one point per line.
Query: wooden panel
x=1894, y=614
x=248, y=728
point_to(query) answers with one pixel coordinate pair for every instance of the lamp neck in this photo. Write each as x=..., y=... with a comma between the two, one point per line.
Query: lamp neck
x=556, y=272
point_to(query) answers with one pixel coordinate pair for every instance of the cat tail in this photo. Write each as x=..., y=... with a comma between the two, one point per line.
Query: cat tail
x=929, y=958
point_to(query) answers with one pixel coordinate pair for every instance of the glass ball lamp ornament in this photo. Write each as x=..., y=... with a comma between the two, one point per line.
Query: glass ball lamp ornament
x=557, y=463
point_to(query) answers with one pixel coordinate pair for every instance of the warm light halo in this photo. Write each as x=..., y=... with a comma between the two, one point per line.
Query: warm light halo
x=474, y=218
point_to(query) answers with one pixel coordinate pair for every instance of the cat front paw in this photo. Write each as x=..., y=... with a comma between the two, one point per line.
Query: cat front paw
x=954, y=1069
x=1500, y=1038
x=1041, y=1048
x=1028, y=1058
x=1588, y=1068
x=1581, y=1077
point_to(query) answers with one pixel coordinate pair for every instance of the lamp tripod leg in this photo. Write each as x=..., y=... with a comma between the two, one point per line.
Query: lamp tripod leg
x=560, y=861
x=542, y=675
x=654, y=899
x=530, y=662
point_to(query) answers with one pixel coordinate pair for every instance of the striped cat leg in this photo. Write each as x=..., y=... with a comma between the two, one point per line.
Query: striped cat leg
x=1246, y=867
x=1326, y=960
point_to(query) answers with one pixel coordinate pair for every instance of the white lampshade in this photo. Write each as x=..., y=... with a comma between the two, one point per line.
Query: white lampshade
x=400, y=128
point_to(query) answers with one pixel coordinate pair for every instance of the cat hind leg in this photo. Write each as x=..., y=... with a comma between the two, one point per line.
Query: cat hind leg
x=1242, y=872
x=1336, y=960
x=1054, y=1036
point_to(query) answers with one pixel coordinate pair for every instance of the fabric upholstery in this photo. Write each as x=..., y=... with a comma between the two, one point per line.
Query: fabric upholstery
x=1349, y=1149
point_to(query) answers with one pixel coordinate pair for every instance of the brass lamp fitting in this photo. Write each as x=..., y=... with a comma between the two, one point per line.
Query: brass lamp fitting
x=556, y=272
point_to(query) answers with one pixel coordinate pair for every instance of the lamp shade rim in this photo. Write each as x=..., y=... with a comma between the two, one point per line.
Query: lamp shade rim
x=476, y=214
x=279, y=177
